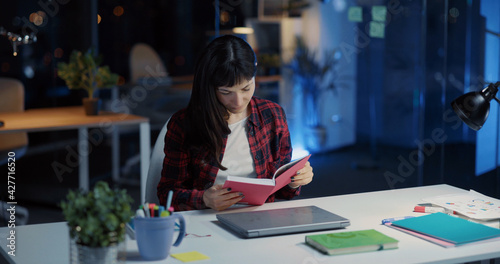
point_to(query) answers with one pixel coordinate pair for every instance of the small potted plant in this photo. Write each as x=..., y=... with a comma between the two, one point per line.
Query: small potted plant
x=312, y=78
x=96, y=221
x=83, y=71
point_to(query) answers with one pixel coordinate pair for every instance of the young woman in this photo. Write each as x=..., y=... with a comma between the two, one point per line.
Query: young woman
x=225, y=130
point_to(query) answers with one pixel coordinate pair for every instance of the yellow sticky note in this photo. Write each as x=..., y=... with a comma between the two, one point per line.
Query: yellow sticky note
x=190, y=256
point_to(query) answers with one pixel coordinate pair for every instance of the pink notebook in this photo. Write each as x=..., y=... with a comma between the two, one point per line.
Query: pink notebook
x=257, y=191
x=422, y=236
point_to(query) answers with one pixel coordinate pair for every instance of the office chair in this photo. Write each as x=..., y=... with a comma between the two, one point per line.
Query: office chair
x=145, y=62
x=12, y=100
x=147, y=93
x=149, y=84
x=149, y=78
x=155, y=166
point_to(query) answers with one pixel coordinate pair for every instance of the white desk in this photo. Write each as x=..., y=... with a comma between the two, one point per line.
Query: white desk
x=48, y=243
x=73, y=117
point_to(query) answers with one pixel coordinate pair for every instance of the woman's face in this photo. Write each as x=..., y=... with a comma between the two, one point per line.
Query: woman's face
x=236, y=98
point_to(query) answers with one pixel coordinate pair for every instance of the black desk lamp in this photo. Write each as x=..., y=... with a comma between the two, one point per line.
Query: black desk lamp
x=473, y=108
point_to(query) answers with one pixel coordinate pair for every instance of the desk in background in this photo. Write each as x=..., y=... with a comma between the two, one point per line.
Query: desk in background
x=49, y=243
x=65, y=118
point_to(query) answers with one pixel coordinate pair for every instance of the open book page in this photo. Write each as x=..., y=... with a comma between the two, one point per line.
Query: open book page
x=287, y=166
x=257, y=191
x=251, y=180
x=284, y=174
x=278, y=172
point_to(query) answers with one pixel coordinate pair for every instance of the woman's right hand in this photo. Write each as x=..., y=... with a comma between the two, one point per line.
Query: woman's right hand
x=219, y=198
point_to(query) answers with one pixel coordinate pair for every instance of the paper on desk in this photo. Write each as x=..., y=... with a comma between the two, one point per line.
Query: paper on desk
x=473, y=205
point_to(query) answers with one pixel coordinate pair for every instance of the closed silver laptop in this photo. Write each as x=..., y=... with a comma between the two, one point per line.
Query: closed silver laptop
x=281, y=221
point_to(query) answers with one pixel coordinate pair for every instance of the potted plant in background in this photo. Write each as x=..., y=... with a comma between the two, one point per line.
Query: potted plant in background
x=96, y=222
x=312, y=78
x=83, y=71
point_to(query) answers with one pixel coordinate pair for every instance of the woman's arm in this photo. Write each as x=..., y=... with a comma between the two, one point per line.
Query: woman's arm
x=176, y=175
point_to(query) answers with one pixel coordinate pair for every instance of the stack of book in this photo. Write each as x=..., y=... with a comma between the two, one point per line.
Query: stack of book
x=446, y=230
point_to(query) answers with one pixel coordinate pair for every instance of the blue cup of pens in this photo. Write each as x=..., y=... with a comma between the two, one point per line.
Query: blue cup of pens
x=154, y=232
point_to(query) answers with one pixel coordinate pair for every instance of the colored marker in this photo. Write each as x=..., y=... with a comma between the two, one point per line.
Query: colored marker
x=139, y=213
x=152, y=209
x=157, y=211
x=390, y=220
x=428, y=209
x=146, y=210
x=164, y=214
x=169, y=199
x=161, y=209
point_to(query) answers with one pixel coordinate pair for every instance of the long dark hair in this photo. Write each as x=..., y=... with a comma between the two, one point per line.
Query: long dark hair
x=226, y=61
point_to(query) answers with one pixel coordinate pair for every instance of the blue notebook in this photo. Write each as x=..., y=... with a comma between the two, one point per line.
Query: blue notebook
x=449, y=228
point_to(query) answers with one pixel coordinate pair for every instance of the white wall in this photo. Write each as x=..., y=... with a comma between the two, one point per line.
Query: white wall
x=324, y=27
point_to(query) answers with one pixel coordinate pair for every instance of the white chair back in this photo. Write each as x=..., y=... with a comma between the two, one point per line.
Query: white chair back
x=155, y=166
x=145, y=62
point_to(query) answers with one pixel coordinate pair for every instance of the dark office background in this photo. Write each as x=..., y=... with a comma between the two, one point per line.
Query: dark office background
x=406, y=133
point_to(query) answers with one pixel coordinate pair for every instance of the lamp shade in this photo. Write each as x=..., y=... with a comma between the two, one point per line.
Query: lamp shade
x=473, y=108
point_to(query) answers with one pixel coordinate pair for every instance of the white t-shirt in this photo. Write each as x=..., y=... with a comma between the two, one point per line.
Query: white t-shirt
x=237, y=155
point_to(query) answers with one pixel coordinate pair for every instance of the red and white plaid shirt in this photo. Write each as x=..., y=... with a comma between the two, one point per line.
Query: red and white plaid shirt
x=190, y=175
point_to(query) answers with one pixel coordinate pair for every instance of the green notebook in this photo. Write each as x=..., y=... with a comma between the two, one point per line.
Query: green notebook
x=351, y=242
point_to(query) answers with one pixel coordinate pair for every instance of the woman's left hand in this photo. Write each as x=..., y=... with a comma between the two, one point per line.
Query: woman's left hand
x=304, y=176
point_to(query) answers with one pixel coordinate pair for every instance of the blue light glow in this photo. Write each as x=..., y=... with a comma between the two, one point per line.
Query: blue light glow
x=299, y=152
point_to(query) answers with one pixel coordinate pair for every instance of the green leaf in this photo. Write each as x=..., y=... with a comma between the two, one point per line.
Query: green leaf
x=83, y=71
x=100, y=214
